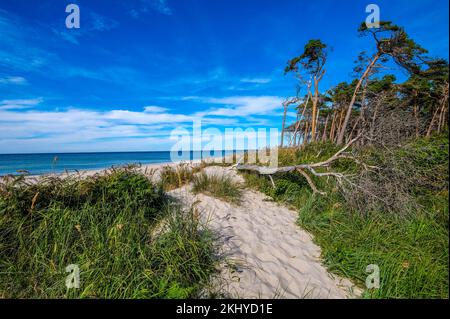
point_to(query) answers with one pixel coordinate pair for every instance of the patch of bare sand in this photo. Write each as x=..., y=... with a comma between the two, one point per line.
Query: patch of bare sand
x=266, y=254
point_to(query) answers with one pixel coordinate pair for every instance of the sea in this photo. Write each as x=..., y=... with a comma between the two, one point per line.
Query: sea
x=38, y=164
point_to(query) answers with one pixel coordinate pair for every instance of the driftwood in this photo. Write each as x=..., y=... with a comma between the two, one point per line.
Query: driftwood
x=302, y=168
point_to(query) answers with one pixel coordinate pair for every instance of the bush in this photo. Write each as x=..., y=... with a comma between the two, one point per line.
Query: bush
x=407, y=239
x=407, y=175
x=106, y=225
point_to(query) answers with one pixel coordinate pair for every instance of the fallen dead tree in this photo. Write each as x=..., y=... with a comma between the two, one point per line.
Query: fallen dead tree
x=303, y=168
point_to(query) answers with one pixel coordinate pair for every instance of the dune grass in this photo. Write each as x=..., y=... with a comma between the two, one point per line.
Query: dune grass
x=217, y=185
x=409, y=244
x=106, y=225
x=172, y=177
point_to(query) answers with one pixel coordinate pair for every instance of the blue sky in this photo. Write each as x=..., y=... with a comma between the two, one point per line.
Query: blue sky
x=136, y=69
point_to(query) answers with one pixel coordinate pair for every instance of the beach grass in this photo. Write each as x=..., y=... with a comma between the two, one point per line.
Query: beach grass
x=172, y=177
x=120, y=229
x=408, y=242
x=217, y=185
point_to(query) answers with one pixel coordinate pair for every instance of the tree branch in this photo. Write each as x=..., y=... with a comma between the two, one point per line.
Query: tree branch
x=264, y=170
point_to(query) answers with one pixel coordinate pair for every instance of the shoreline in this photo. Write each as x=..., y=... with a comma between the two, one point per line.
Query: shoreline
x=260, y=250
x=91, y=171
x=140, y=167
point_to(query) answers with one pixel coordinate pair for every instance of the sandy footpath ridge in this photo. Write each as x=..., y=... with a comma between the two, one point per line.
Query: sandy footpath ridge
x=266, y=254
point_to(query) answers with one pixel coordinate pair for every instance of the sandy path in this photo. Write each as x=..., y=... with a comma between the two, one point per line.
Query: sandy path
x=267, y=254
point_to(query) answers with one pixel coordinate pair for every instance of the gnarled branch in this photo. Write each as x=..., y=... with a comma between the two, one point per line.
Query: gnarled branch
x=264, y=170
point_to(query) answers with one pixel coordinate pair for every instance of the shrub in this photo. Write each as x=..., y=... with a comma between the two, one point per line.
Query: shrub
x=106, y=225
x=405, y=233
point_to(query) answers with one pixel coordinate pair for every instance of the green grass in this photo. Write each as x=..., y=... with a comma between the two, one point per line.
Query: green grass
x=410, y=245
x=219, y=186
x=121, y=230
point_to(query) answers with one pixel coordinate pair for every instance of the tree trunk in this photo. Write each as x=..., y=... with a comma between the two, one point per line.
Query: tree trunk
x=297, y=125
x=350, y=106
x=294, y=134
x=333, y=124
x=430, y=127
x=433, y=119
x=444, y=118
x=314, y=108
x=363, y=102
x=353, y=129
x=443, y=110
x=374, y=117
x=284, y=123
x=324, y=135
x=341, y=117
x=305, y=134
x=317, y=125
x=416, y=117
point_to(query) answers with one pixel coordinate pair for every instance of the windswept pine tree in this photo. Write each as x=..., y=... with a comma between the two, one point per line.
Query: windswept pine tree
x=311, y=64
x=392, y=42
x=372, y=104
x=369, y=172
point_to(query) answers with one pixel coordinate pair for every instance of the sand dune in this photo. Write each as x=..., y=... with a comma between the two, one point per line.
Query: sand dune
x=266, y=254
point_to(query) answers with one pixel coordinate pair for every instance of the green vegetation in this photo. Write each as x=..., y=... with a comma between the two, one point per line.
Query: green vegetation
x=176, y=176
x=386, y=199
x=220, y=186
x=172, y=177
x=117, y=227
x=382, y=201
x=405, y=234
x=371, y=103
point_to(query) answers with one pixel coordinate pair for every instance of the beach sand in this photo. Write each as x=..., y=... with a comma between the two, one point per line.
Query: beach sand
x=266, y=255
x=263, y=252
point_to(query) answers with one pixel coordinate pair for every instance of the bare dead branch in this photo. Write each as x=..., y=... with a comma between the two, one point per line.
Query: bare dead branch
x=264, y=170
x=310, y=182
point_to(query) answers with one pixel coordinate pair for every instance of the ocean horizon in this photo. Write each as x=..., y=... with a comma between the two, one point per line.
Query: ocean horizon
x=47, y=163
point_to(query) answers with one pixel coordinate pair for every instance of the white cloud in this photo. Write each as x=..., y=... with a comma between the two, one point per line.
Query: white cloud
x=19, y=104
x=240, y=106
x=126, y=116
x=18, y=80
x=256, y=80
x=80, y=130
x=25, y=128
x=155, y=109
